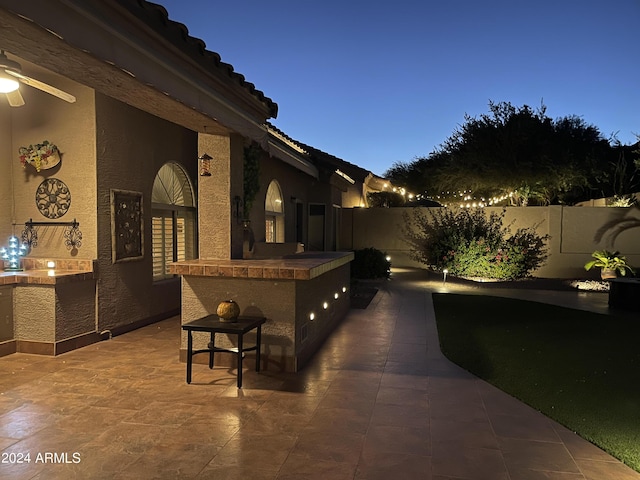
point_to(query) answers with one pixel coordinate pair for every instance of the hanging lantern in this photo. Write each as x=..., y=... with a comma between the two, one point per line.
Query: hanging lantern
x=205, y=165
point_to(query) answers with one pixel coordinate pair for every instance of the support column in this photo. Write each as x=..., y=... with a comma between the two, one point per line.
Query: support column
x=216, y=225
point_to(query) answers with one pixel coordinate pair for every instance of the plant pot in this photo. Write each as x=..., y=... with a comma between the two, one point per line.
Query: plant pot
x=608, y=274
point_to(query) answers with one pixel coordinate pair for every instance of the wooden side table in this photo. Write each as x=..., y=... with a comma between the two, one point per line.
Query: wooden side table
x=213, y=325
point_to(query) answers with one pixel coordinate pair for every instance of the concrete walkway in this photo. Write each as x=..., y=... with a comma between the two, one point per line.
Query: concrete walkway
x=379, y=401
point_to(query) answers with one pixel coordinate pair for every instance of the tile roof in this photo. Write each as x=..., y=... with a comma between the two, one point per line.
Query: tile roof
x=327, y=160
x=157, y=18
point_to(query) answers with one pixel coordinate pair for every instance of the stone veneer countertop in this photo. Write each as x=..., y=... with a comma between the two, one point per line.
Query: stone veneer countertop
x=36, y=272
x=299, y=266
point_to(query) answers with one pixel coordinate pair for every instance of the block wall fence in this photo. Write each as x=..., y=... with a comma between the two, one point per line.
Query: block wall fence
x=575, y=232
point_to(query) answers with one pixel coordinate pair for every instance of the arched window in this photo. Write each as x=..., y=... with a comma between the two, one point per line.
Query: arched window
x=173, y=219
x=274, y=214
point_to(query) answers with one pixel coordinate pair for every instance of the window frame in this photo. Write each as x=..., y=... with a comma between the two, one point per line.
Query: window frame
x=181, y=220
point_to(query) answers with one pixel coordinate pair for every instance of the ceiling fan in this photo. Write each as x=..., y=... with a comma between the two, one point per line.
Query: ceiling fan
x=11, y=74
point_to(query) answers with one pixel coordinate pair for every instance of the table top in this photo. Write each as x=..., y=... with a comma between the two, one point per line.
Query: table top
x=212, y=323
x=299, y=266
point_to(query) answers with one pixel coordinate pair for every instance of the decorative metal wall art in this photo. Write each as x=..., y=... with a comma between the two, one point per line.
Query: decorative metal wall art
x=126, y=226
x=73, y=236
x=53, y=198
x=29, y=235
x=72, y=233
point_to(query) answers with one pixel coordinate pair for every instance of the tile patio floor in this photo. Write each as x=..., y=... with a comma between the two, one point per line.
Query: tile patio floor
x=379, y=401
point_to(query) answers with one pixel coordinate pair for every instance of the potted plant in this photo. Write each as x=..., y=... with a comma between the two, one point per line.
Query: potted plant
x=41, y=155
x=611, y=264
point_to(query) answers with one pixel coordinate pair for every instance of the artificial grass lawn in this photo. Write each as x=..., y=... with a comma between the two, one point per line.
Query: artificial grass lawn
x=580, y=368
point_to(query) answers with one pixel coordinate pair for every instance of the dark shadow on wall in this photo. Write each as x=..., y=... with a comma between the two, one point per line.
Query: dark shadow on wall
x=611, y=230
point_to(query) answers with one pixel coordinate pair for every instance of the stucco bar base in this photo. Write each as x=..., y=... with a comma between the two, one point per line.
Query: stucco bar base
x=53, y=312
x=290, y=336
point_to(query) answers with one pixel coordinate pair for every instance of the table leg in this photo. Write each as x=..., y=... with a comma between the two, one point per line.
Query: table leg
x=189, y=355
x=258, y=343
x=240, y=347
x=213, y=346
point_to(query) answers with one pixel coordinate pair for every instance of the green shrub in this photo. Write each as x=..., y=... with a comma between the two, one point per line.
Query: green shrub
x=370, y=263
x=468, y=243
x=385, y=199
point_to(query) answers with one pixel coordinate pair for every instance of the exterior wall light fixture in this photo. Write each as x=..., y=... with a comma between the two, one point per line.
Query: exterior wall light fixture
x=205, y=165
x=237, y=209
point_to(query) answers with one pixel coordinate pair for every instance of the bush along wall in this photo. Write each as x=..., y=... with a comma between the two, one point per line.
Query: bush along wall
x=468, y=243
x=370, y=263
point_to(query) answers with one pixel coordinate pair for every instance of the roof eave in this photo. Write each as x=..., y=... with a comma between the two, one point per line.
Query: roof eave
x=109, y=38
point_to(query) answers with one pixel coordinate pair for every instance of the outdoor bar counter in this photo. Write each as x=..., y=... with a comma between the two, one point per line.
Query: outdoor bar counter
x=47, y=311
x=303, y=297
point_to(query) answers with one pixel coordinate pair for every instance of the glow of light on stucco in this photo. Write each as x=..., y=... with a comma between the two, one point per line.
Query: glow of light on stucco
x=345, y=176
x=51, y=264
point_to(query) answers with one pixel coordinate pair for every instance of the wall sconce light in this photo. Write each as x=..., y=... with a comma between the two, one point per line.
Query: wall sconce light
x=12, y=254
x=205, y=165
x=236, y=207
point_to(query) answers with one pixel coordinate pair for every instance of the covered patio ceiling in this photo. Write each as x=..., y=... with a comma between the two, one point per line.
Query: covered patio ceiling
x=130, y=51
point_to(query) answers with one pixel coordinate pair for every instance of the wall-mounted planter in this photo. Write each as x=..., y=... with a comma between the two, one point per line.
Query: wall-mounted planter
x=41, y=156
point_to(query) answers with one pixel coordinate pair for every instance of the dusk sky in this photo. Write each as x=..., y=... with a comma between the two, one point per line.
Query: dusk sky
x=376, y=82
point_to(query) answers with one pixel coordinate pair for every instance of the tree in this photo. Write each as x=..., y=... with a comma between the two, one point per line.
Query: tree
x=385, y=199
x=518, y=151
x=411, y=175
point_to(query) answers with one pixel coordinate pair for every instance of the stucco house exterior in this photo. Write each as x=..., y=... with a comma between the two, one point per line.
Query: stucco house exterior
x=149, y=104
